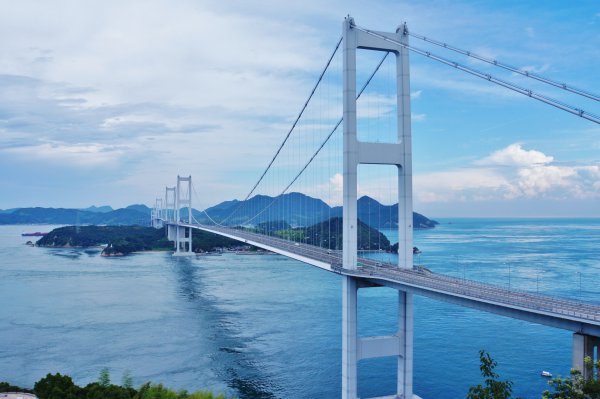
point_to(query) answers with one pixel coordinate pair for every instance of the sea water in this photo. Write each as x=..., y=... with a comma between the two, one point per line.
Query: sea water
x=262, y=326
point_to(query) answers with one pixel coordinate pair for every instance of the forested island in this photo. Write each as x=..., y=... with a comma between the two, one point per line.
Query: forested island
x=123, y=240
x=327, y=234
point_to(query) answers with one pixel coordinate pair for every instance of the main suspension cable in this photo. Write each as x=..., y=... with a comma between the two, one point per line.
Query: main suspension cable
x=511, y=68
x=337, y=125
x=545, y=99
x=204, y=210
x=337, y=46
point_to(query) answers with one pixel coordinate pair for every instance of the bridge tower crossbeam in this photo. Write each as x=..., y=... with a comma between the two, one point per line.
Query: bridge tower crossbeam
x=399, y=154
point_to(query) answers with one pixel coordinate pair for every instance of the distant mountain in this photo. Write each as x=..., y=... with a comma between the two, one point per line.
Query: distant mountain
x=294, y=208
x=140, y=208
x=98, y=209
x=376, y=215
x=297, y=209
x=124, y=216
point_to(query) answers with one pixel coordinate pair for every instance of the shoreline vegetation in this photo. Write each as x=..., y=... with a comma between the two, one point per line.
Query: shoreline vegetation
x=124, y=240
x=58, y=386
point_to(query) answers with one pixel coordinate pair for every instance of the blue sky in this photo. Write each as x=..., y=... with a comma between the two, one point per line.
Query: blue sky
x=106, y=102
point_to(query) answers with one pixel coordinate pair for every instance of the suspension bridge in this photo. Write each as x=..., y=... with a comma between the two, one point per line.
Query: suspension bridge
x=369, y=154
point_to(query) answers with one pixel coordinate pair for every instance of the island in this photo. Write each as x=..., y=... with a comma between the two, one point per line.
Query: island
x=123, y=240
x=327, y=234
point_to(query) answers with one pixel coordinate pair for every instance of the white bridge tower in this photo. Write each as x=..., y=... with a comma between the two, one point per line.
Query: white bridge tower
x=183, y=198
x=170, y=204
x=399, y=345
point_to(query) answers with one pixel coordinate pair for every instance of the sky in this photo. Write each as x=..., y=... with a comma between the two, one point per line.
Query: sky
x=106, y=102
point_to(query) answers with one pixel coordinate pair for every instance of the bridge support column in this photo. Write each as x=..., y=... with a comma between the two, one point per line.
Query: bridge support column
x=405, y=337
x=583, y=346
x=183, y=242
x=349, y=337
x=355, y=348
x=171, y=231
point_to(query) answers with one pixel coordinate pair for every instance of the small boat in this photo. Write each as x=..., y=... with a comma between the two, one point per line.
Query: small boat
x=36, y=234
x=546, y=374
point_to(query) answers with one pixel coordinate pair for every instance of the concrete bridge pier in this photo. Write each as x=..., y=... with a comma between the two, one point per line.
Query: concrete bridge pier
x=355, y=348
x=183, y=242
x=584, y=346
x=171, y=231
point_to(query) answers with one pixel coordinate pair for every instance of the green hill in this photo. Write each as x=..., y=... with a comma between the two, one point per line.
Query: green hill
x=122, y=240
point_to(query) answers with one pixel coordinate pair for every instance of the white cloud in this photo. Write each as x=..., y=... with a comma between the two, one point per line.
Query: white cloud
x=80, y=154
x=418, y=117
x=535, y=69
x=539, y=179
x=508, y=174
x=515, y=155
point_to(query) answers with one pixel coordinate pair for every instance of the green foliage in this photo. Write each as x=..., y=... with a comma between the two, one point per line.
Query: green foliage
x=272, y=226
x=205, y=241
x=328, y=234
x=158, y=391
x=97, y=390
x=290, y=234
x=56, y=386
x=492, y=388
x=104, y=378
x=126, y=379
x=6, y=387
x=577, y=386
x=123, y=239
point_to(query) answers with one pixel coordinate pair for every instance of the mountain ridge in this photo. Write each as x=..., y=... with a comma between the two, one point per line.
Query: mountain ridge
x=370, y=212
x=39, y=215
x=295, y=209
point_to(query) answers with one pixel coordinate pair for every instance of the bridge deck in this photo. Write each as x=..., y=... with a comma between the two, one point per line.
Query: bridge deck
x=554, y=311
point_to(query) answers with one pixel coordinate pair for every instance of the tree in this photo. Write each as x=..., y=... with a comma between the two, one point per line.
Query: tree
x=158, y=391
x=493, y=388
x=97, y=391
x=7, y=387
x=577, y=386
x=104, y=378
x=56, y=386
x=127, y=380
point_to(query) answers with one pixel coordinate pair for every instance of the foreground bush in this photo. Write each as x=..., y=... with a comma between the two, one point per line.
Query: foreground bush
x=58, y=386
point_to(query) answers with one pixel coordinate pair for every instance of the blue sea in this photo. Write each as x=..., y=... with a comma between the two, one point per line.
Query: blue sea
x=269, y=327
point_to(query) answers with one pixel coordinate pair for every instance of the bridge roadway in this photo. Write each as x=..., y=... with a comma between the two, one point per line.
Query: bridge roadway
x=568, y=314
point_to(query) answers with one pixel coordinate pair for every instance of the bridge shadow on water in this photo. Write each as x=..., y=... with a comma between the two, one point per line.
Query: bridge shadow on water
x=233, y=362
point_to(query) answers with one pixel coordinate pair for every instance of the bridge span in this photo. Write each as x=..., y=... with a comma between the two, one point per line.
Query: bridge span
x=568, y=314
